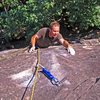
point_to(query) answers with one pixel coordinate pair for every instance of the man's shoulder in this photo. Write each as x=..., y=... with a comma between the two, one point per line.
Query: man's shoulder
x=59, y=36
x=44, y=29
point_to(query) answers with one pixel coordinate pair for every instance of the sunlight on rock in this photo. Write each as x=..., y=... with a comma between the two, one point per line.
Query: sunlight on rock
x=87, y=47
x=56, y=67
x=28, y=82
x=22, y=74
x=67, y=82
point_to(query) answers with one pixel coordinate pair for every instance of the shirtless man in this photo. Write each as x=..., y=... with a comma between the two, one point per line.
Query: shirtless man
x=46, y=37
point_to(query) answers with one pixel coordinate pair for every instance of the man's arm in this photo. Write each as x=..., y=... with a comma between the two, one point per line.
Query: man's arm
x=33, y=41
x=68, y=46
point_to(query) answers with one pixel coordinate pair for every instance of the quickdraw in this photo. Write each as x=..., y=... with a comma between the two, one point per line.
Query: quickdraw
x=42, y=69
x=48, y=74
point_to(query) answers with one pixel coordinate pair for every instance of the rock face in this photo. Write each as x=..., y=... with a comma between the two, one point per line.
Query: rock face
x=80, y=74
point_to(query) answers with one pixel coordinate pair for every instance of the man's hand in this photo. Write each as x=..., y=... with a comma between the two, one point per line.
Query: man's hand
x=71, y=50
x=32, y=49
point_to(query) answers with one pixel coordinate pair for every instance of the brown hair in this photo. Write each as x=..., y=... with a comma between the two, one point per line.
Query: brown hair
x=55, y=23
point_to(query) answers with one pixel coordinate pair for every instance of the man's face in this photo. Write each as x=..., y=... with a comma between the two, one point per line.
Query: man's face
x=55, y=30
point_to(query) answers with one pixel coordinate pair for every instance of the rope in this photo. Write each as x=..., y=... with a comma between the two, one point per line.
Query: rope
x=36, y=75
x=28, y=85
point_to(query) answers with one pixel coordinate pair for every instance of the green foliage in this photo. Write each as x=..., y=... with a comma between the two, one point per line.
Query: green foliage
x=96, y=16
x=19, y=19
x=31, y=17
x=84, y=12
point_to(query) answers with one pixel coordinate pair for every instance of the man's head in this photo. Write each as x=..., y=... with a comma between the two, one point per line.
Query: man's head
x=55, y=28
